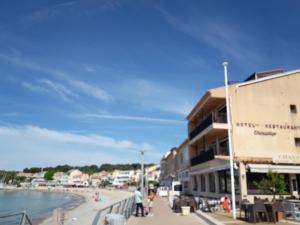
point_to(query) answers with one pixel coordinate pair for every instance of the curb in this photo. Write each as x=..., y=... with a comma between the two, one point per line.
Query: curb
x=208, y=219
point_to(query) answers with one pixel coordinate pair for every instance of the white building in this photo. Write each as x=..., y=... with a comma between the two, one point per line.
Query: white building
x=122, y=177
x=152, y=173
x=61, y=178
x=38, y=179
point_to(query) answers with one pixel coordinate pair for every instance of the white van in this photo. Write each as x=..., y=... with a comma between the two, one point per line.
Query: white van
x=174, y=192
x=163, y=191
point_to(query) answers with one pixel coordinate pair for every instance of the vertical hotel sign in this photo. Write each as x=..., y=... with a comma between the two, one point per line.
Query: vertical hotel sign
x=286, y=158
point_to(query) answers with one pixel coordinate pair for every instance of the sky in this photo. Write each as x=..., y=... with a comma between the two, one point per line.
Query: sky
x=95, y=81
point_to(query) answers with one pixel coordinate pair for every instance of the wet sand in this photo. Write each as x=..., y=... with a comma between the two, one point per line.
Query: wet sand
x=84, y=211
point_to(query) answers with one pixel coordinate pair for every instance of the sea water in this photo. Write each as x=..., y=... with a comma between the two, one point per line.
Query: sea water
x=37, y=204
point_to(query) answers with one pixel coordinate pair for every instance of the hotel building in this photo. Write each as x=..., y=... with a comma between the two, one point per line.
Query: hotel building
x=265, y=135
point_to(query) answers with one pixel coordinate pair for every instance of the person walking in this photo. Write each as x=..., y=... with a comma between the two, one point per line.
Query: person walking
x=151, y=201
x=138, y=202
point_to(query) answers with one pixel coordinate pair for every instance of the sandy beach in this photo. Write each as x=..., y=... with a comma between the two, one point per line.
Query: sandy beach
x=85, y=212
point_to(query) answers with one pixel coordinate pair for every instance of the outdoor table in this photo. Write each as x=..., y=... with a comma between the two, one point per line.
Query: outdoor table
x=252, y=209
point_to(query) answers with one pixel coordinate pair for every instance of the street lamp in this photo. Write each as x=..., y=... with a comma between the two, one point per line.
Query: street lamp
x=225, y=64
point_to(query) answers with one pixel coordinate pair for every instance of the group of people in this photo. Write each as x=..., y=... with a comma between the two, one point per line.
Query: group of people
x=139, y=202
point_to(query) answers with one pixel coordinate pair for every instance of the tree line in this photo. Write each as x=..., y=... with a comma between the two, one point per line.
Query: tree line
x=89, y=169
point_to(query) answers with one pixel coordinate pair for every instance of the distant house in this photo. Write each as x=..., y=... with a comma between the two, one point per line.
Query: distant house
x=38, y=179
x=122, y=177
x=78, y=178
x=95, y=179
x=61, y=178
x=152, y=173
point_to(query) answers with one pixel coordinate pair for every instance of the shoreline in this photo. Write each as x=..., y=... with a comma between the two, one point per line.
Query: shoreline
x=77, y=200
x=85, y=210
x=81, y=199
x=82, y=210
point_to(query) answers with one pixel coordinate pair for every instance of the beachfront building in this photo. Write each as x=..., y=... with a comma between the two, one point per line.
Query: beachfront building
x=265, y=135
x=38, y=179
x=183, y=166
x=122, y=177
x=78, y=178
x=168, y=168
x=137, y=176
x=95, y=179
x=152, y=173
x=61, y=179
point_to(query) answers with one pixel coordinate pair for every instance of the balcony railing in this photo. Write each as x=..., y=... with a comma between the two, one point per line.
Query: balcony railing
x=204, y=156
x=212, y=118
x=210, y=154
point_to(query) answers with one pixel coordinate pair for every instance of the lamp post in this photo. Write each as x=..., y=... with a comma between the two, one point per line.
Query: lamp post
x=225, y=64
x=142, y=172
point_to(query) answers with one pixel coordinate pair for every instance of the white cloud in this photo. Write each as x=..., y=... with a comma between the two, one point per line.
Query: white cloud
x=78, y=7
x=231, y=42
x=34, y=132
x=156, y=96
x=82, y=87
x=34, y=88
x=59, y=89
x=32, y=145
x=131, y=118
x=91, y=90
x=89, y=68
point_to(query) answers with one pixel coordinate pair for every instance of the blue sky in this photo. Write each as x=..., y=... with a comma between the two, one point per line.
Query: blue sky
x=89, y=81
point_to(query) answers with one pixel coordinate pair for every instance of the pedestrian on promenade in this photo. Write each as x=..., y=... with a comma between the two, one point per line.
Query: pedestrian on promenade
x=138, y=202
x=225, y=201
x=151, y=197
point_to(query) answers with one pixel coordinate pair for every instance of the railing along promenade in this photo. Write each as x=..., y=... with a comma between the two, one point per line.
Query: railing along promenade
x=15, y=219
x=124, y=207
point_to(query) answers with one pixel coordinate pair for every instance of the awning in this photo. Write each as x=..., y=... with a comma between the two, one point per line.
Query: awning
x=264, y=168
x=210, y=169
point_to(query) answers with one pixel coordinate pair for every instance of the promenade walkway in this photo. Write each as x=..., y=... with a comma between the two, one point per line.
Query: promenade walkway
x=163, y=215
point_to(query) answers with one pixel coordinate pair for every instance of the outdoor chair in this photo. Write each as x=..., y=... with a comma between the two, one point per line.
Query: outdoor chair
x=291, y=209
x=244, y=207
x=258, y=209
x=272, y=209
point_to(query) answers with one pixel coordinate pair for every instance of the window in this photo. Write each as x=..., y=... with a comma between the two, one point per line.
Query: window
x=178, y=187
x=294, y=183
x=297, y=142
x=293, y=108
x=195, y=183
x=253, y=178
x=225, y=181
x=181, y=158
x=212, y=184
x=203, y=184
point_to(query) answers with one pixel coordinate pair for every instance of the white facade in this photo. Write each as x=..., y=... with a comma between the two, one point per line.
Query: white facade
x=71, y=178
x=61, y=178
x=152, y=173
x=121, y=177
x=38, y=179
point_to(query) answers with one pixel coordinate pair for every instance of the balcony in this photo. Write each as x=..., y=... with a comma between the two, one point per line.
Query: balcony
x=208, y=121
x=210, y=154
